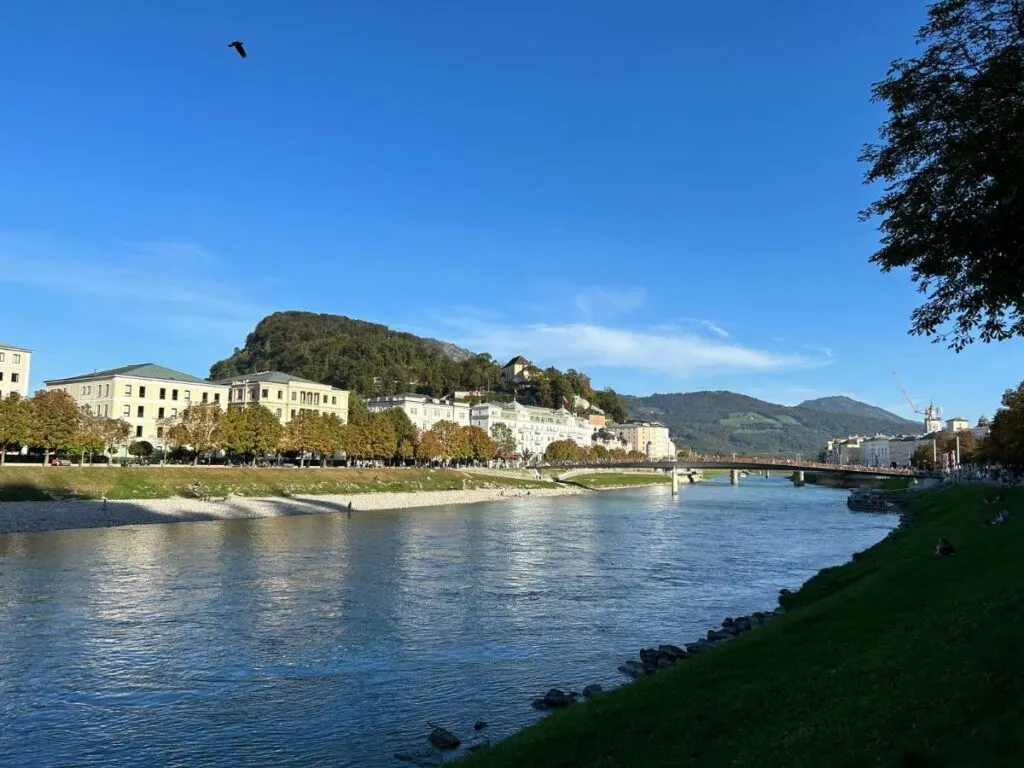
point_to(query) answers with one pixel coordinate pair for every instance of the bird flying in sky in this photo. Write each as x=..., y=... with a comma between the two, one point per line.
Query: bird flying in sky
x=238, y=47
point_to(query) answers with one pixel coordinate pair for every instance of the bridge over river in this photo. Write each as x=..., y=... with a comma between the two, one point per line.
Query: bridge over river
x=689, y=467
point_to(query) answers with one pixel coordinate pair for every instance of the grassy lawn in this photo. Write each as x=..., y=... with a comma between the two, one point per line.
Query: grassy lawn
x=896, y=483
x=899, y=658
x=621, y=479
x=39, y=483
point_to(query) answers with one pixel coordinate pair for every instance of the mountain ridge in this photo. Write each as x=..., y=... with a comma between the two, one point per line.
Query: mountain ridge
x=726, y=422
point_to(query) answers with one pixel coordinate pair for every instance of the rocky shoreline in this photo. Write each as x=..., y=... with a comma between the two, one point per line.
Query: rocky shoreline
x=31, y=516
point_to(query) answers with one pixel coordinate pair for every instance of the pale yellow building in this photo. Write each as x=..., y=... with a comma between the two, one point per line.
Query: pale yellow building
x=143, y=395
x=14, y=364
x=648, y=437
x=285, y=395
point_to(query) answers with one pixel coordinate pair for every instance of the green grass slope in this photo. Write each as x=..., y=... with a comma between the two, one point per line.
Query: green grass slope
x=899, y=658
x=43, y=483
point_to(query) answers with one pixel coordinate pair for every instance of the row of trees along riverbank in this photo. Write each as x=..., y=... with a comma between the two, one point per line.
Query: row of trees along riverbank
x=53, y=423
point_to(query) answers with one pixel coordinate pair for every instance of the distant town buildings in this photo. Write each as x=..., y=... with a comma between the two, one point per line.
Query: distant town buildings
x=534, y=428
x=647, y=437
x=423, y=411
x=14, y=369
x=958, y=424
x=285, y=395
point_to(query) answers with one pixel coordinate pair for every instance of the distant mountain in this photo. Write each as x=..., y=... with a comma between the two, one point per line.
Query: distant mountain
x=726, y=421
x=847, y=406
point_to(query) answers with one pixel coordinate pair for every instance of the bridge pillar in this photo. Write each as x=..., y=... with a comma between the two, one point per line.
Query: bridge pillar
x=675, y=482
x=798, y=478
x=734, y=476
x=767, y=473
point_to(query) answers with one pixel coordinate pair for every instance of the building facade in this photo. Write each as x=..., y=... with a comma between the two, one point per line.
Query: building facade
x=874, y=452
x=901, y=449
x=534, y=428
x=423, y=411
x=958, y=424
x=516, y=370
x=647, y=437
x=285, y=395
x=14, y=370
x=142, y=395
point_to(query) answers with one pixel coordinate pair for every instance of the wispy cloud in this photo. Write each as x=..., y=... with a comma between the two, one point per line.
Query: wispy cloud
x=595, y=301
x=142, y=275
x=675, y=353
x=688, y=324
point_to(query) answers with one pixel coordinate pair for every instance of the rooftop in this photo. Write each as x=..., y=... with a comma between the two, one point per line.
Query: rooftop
x=12, y=347
x=517, y=360
x=139, y=371
x=273, y=377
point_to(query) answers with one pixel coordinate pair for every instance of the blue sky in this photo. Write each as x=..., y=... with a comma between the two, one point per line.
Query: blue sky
x=663, y=194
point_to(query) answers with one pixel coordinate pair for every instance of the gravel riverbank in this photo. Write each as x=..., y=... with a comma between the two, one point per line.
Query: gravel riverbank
x=22, y=516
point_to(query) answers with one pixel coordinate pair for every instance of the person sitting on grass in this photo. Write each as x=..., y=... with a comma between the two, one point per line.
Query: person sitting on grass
x=944, y=548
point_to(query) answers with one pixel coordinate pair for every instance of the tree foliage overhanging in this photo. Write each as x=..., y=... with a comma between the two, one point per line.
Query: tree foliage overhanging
x=951, y=158
x=373, y=360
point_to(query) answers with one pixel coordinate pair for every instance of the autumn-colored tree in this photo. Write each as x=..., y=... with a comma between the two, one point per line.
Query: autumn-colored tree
x=618, y=454
x=446, y=441
x=381, y=438
x=196, y=428
x=562, y=451
x=476, y=445
x=116, y=432
x=599, y=453
x=429, y=448
x=54, y=421
x=305, y=434
x=636, y=456
x=504, y=439
x=405, y=432
x=15, y=423
x=334, y=430
x=87, y=437
x=250, y=431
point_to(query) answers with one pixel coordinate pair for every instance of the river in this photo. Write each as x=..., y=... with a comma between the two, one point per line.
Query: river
x=331, y=641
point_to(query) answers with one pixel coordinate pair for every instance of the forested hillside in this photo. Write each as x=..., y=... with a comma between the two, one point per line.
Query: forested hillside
x=726, y=422
x=372, y=359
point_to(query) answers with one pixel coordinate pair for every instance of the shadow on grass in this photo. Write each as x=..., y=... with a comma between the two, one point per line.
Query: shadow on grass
x=23, y=492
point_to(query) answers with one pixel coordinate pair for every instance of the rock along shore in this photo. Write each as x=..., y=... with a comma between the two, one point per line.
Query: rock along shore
x=25, y=516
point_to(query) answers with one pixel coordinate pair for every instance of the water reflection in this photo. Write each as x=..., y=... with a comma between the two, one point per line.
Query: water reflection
x=330, y=640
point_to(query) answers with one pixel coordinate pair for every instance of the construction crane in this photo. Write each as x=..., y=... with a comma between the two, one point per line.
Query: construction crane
x=913, y=405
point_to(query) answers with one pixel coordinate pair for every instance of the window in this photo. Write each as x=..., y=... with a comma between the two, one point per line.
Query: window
x=160, y=413
x=280, y=394
x=15, y=377
x=279, y=413
x=127, y=411
x=127, y=390
x=174, y=394
x=293, y=397
x=159, y=431
x=1, y=357
x=174, y=412
x=265, y=393
x=216, y=397
x=141, y=411
x=188, y=395
x=206, y=397
x=163, y=393
x=138, y=431
x=1, y=375
x=334, y=400
x=142, y=391
x=293, y=410
x=17, y=358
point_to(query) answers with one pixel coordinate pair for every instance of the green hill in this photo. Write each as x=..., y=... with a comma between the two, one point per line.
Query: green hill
x=727, y=422
x=372, y=359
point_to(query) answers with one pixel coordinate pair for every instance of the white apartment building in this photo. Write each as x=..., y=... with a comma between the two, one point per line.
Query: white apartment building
x=874, y=452
x=843, y=451
x=14, y=364
x=534, y=428
x=423, y=411
x=902, y=448
x=647, y=437
x=142, y=395
x=285, y=395
x=958, y=424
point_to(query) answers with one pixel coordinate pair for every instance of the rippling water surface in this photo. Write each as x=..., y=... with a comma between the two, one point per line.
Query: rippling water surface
x=331, y=641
